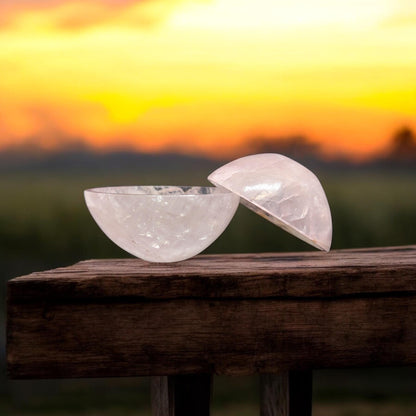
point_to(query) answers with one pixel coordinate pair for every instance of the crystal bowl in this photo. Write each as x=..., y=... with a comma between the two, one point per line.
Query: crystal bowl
x=282, y=191
x=162, y=223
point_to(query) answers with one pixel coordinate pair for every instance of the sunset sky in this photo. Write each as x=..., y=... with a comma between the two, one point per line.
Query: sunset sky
x=206, y=76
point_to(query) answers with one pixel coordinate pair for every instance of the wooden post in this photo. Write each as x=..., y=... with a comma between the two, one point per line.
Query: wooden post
x=286, y=394
x=181, y=395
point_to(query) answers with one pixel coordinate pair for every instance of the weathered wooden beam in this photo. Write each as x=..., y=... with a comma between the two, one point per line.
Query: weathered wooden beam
x=259, y=275
x=231, y=315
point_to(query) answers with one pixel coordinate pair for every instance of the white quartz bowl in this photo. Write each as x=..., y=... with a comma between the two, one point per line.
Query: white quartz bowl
x=162, y=223
x=282, y=191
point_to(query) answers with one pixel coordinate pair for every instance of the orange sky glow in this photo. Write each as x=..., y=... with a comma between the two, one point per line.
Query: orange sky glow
x=206, y=76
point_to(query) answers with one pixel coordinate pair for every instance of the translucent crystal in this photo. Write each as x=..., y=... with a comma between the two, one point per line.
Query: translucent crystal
x=162, y=223
x=282, y=191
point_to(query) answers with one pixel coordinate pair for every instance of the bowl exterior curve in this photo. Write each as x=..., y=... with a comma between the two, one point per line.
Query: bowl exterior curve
x=161, y=227
x=282, y=191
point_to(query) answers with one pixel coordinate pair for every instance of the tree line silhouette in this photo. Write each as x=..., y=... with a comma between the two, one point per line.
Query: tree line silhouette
x=399, y=154
x=401, y=151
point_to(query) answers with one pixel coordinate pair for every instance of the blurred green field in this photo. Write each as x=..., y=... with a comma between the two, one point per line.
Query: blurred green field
x=44, y=223
x=372, y=392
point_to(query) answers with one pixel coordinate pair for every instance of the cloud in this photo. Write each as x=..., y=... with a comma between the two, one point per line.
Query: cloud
x=76, y=15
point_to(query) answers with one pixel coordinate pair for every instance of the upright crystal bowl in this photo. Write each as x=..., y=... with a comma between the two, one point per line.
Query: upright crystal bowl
x=162, y=223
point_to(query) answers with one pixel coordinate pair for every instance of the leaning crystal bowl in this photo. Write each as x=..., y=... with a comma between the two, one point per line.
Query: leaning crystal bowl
x=282, y=191
x=162, y=223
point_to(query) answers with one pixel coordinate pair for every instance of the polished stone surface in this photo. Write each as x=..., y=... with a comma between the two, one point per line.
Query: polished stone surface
x=162, y=223
x=282, y=191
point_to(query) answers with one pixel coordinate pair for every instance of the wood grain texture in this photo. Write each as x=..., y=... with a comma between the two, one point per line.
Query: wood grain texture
x=84, y=321
x=261, y=275
x=274, y=394
x=162, y=397
x=185, y=336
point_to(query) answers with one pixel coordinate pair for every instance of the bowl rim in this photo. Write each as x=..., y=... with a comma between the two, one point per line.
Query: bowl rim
x=109, y=190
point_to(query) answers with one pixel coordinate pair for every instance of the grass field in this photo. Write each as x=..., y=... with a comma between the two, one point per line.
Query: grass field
x=44, y=223
x=376, y=392
x=354, y=408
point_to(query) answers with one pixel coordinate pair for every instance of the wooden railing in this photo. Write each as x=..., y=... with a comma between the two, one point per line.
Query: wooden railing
x=277, y=315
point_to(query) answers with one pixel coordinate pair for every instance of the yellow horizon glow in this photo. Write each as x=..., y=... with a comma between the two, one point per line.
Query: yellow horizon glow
x=206, y=76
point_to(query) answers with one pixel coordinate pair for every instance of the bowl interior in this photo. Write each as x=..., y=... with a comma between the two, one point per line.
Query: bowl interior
x=160, y=190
